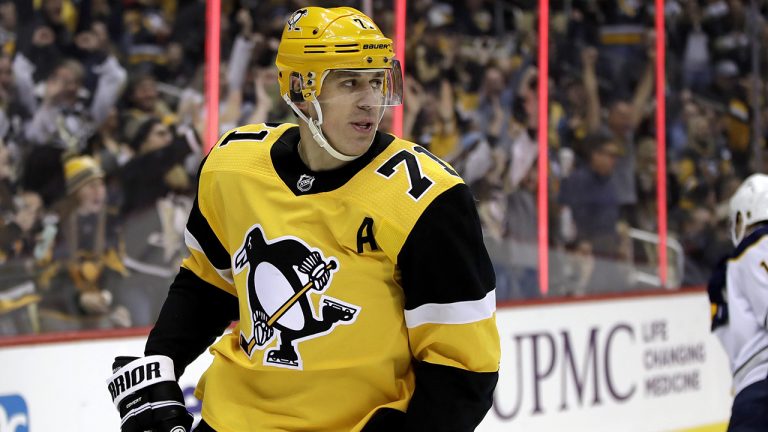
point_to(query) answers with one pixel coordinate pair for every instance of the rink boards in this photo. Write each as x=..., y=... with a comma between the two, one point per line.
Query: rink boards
x=641, y=363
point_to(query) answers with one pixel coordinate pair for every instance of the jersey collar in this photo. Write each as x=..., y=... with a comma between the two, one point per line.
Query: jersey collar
x=749, y=240
x=302, y=180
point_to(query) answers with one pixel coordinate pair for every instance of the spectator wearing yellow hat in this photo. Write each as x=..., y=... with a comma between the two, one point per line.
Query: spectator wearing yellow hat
x=87, y=256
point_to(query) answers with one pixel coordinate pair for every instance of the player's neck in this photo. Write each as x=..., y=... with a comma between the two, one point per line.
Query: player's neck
x=314, y=156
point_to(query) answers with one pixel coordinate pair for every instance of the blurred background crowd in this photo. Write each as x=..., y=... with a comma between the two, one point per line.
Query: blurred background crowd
x=102, y=114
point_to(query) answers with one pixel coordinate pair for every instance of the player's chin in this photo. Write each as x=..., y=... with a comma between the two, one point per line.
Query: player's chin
x=356, y=146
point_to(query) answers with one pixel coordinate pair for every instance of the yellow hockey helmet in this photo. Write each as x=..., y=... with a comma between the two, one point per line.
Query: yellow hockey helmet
x=317, y=40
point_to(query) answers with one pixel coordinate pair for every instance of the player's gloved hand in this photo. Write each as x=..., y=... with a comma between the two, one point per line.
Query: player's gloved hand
x=716, y=287
x=146, y=394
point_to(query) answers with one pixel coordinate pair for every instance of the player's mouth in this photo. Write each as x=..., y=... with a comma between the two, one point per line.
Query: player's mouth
x=363, y=127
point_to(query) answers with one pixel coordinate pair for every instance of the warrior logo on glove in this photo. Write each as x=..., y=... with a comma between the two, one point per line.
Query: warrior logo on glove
x=282, y=274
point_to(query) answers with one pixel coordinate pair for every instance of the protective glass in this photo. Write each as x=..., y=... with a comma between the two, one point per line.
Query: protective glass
x=372, y=87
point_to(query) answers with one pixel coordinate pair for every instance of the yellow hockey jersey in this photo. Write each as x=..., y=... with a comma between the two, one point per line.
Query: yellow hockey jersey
x=343, y=279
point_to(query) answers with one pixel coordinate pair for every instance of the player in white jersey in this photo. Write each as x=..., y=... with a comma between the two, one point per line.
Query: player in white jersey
x=738, y=292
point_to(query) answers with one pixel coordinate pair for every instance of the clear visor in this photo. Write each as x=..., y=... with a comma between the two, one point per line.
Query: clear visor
x=365, y=87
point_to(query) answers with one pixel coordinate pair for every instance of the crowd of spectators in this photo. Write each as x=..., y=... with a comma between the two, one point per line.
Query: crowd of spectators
x=602, y=132
x=102, y=114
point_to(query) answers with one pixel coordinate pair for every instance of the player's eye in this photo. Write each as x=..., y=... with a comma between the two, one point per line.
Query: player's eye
x=377, y=83
x=349, y=83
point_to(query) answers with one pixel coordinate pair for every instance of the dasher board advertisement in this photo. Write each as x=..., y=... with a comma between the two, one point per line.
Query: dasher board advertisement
x=628, y=364
x=622, y=364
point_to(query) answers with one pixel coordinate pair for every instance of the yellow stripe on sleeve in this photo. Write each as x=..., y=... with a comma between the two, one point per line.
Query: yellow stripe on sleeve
x=474, y=346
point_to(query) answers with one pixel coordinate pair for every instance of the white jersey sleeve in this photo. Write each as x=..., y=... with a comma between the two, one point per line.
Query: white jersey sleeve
x=750, y=278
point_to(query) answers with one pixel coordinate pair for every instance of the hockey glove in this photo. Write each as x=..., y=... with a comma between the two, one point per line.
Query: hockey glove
x=147, y=396
x=716, y=288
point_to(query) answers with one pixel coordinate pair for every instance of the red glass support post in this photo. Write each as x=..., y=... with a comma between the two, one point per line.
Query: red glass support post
x=212, y=59
x=661, y=141
x=397, y=113
x=543, y=139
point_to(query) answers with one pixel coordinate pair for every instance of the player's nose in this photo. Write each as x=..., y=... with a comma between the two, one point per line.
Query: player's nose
x=369, y=98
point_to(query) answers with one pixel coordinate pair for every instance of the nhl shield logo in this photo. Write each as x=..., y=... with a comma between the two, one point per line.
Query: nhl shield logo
x=305, y=182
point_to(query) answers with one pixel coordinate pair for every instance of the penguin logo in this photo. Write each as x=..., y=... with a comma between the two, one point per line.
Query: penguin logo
x=294, y=19
x=281, y=275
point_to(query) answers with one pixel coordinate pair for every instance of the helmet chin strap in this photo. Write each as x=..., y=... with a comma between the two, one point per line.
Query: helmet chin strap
x=317, y=132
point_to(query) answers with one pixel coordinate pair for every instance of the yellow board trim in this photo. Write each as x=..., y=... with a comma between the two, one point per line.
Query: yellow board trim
x=716, y=427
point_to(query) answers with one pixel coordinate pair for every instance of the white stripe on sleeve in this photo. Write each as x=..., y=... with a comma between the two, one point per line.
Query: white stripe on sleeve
x=191, y=241
x=452, y=313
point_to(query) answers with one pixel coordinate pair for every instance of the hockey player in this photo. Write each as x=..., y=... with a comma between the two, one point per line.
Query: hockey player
x=352, y=260
x=738, y=293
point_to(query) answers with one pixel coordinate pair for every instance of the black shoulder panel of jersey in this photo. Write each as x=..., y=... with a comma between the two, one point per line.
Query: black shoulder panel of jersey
x=449, y=399
x=202, y=232
x=194, y=314
x=444, y=259
x=385, y=420
x=290, y=168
